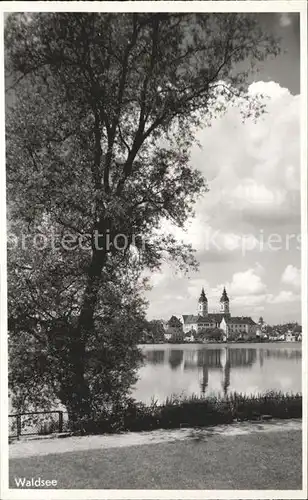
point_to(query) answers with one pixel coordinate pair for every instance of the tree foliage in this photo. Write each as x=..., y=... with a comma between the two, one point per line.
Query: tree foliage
x=214, y=334
x=101, y=115
x=155, y=331
x=205, y=334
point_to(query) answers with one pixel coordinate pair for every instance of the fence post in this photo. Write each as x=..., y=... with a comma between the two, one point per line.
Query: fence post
x=60, y=421
x=18, y=425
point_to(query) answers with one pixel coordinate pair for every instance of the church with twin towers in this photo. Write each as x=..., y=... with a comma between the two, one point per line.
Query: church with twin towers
x=203, y=320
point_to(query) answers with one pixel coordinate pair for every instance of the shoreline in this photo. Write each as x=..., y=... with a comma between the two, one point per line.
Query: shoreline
x=226, y=343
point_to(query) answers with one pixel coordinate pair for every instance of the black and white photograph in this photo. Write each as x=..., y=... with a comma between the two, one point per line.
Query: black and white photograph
x=154, y=250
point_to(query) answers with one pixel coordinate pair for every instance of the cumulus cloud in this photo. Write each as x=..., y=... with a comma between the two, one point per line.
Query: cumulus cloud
x=246, y=283
x=253, y=166
x=291, y=276
x=269, y=89
x=285, y=20
x=249, y=192
x=259, y=302
x=284, y=297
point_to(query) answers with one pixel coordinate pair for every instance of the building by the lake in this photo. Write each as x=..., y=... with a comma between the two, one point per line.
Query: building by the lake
x=231, y=325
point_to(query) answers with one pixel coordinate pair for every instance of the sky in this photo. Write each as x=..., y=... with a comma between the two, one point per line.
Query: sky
x=246, y=230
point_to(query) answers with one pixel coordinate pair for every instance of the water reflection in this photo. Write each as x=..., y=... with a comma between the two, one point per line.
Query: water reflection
x=216, y=368
x=155, y=357
x=205, y=379
x=176, y=358
x=222, y=359
x=226, y=377
x=213, y=358
x=216, y=358
x=281, y=353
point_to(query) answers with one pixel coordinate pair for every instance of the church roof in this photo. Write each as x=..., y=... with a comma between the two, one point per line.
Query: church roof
x=202, y=297
x=209, y=318
x=189, y=319
x=174, y=322
x=216, y=317
x=224, y=297
x=241, y=320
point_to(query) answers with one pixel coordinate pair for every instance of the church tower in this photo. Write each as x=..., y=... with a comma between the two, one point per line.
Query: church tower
x=224, y=303
x=202, y=304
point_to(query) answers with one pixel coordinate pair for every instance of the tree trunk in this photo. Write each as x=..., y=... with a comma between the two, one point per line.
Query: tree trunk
x=76, y=392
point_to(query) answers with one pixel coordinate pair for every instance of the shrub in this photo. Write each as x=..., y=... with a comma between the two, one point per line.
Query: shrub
x=193, y=411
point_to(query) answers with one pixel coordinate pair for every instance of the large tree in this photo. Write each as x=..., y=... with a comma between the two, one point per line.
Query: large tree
x=101, y=114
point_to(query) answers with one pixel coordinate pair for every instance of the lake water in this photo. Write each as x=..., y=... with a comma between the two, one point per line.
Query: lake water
x=216, y=368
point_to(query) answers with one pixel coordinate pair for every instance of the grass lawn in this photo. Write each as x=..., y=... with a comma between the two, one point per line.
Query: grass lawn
x=255, y=461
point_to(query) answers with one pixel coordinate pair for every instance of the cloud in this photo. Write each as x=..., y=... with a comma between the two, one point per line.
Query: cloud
x=291, y=276
x=224, y=242
x=257, y=302
x=251, y=301
x=252, y=168
x=270, y=89
x=249, y=193
x=214, y=244
x=285, y=20
x=246, y=283
x=284, y=297
x=247, y=291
